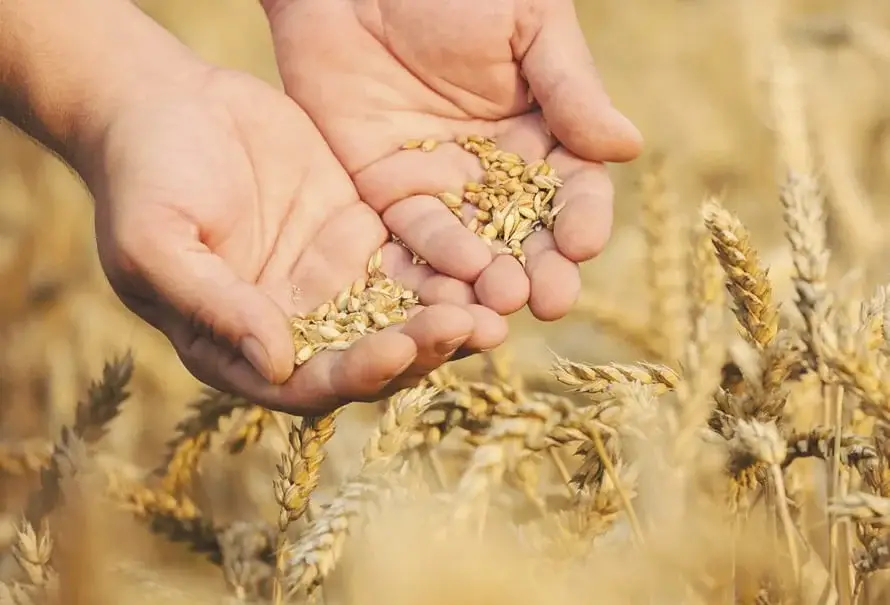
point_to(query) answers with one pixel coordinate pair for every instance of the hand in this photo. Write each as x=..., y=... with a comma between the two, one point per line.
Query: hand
x=215, y=197
x=375, y=73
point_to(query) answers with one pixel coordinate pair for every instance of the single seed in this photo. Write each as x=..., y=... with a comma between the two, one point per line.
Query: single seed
x=342, y=300
x=329, y=332
x=450, y=199
x=323, y=310
x=527, y=212
x=513, y=186
x=509, y=224
x=358, y=286
x=376, y=260
x=304, y=354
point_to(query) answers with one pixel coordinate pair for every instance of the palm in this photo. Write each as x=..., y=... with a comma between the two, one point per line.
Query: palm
x=375, y=73
x=248, y=196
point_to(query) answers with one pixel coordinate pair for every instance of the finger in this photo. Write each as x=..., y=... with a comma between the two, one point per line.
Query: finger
x=489, y=329
x=437, y=332
x=489, y=332
x=564, y=81
x=220, y=367
x=441, y=289
x=200, y=286
x=584, y=225
x=399, y=383
x=503, y=286
x=555, y=280
x=527, y=136
x=334, y=378
x=410, y=172
x=359, y=373
x=431, y=287
x=429, y=228
x=337, y=255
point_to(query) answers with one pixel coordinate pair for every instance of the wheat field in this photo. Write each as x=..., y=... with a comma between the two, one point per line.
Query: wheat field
x=712, y=427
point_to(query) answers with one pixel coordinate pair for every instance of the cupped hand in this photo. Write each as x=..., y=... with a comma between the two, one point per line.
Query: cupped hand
x=221, y=212
x=375, y=73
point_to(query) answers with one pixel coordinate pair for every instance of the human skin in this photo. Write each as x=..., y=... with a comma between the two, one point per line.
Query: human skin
x=375, y=73
x=216, y=195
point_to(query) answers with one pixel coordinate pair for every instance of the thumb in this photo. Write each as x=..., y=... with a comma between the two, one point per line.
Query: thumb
x=203, y=288
x=564, y=81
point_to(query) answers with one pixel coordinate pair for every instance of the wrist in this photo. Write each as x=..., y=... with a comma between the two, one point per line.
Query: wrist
x=66, y=69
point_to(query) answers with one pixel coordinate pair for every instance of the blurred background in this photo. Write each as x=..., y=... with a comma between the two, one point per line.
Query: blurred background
x=692, y=74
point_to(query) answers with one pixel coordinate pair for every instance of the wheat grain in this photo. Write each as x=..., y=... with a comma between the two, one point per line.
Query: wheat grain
x=319, y=549
x=747, y=281
x=596, y=380
x=705, y=353
x=370, y=304
x=193, y=435
x=248, y=559
x=514, y=199
x=665, y=262
x=25, y=456
x=249, y=430
x=296, y=480
x=32, y=551
x=299, y=467
x=804, y=216
x=764, y=443
x=177, y=518
x=102, y=404
x=863, y=506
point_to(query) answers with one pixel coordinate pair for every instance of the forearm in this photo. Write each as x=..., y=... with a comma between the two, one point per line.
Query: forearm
x=67, y=66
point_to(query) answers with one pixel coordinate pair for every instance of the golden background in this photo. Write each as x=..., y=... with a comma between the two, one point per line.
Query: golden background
x=692, y=74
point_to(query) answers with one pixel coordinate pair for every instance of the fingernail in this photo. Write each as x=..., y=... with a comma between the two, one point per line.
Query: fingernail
x=627, y=128
x=395, y=375
x=256, y=354
x=404, y=368
x=463, y=354
x=447, y=348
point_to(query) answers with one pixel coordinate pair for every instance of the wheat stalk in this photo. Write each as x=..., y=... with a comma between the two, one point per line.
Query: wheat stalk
x=321, y=546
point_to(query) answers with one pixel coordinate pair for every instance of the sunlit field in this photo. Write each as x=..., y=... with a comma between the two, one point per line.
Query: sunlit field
x=709, y=425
